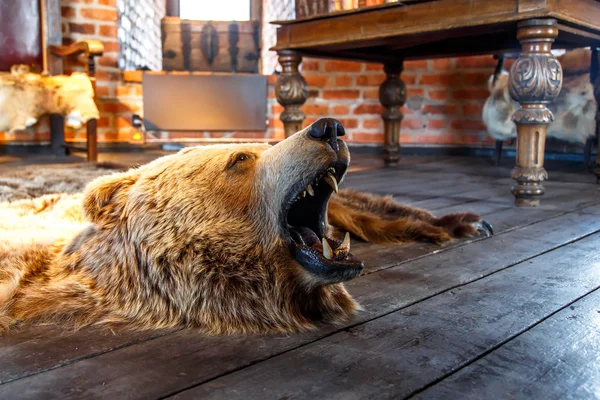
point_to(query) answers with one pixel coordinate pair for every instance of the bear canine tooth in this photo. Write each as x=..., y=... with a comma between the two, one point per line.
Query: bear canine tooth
x=330, y=179
x=331, y=169
x=345, y=246
x=327, y=252
x=303, y=194
x=310, y=190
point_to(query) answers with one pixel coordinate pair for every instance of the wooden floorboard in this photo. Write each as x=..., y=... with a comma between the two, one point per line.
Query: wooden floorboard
x=45, y=362
x=396, y=355
x=171, y=363
x=564, y=349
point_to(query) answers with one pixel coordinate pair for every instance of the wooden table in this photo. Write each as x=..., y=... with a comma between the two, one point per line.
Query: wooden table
x=417, y=29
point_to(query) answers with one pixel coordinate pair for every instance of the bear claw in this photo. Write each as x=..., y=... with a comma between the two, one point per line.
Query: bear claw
x=485, y=227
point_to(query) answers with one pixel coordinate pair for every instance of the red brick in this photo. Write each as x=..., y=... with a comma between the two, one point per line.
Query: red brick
x=468, y=124
x=276, y=109
x=368, y=109
x=344, y=80
x=445, y=79
x=342, y=66
x=448, y=109
x=437, y=94
x=316, y=109
x=107, y=61
x=472, y=109
x=107, y=76
x=275, y=123
x=349, y=123
x=317, y=80
x=442, y=63
x=372, y=123
x=415, y=92
x=67, y=12
x=415, y=64
x=443, y=138
x=272, y=79
x=476, y=78
x=102, y=91
x=87, y=29
x=310, y=65
x=476, y=62
x=436, y=124
x=103, y=122
x=409, y=78
x=123, y=122
x=114, y=108
x=412, y=123
x=371, y=94
x=112, y=3
x=108, y=30
x=340, y=110
x=373, y=67
x=341, y=94
x=470, y=94
x=367, y=137
x=110, y=47
x=99, y=14
x=370, y=80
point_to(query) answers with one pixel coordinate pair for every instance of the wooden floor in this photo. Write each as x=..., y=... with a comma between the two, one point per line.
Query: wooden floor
x=516, y=315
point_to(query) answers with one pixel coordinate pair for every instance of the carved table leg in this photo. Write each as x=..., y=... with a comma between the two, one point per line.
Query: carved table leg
x=595, y=78
x=392, y=95
x=535, y=80
x=291, y=91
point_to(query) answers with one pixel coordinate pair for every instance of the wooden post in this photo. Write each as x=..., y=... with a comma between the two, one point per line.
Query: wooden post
x=291, y=91
x=392, y=95
x=92, y=124
x=535, y=80
x=595, y=78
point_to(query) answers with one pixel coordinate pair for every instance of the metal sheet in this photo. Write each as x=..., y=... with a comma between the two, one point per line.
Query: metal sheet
x=205, y=101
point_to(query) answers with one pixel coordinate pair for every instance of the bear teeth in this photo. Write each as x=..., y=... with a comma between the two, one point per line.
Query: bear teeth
x=331, y=181
x=310, y=190
x=327, y=252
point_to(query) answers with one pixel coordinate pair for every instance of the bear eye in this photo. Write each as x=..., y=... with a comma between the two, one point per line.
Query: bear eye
x=239, y=158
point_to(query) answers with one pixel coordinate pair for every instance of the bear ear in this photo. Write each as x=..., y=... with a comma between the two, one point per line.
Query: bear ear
x=105, y=196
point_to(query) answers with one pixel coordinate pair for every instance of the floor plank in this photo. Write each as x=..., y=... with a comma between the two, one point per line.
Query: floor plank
x=564, y=348
x=400, y=353
x=185, y=358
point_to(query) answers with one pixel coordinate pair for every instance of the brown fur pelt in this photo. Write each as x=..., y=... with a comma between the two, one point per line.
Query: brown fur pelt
x=574, y=109
x=193, y=239
x=25, y=97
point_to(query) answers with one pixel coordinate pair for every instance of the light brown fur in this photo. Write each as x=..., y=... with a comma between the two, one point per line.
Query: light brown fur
x=574, y=109
x=192, y=240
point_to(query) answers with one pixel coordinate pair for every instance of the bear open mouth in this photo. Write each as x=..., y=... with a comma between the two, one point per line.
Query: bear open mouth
x=306, y=220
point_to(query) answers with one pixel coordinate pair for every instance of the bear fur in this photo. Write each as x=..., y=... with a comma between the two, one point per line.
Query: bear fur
x=195, y=239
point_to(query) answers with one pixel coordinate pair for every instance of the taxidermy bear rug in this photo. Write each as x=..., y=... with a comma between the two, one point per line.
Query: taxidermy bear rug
x=225, y=238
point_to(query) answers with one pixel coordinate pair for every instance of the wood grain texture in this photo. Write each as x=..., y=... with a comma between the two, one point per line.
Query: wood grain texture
x=396, y=355
x=182, y=359
x=564, y=348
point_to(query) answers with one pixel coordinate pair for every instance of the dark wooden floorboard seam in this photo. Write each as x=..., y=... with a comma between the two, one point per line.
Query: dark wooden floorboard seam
x=499, y=345
x=572, y=222
x=434, y=331
x=87, y=356
x=347, y=328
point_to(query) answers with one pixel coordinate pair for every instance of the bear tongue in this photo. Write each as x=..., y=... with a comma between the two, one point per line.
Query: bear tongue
x=305, y=236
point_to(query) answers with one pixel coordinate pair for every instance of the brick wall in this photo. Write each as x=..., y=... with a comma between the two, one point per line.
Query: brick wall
x=444, y=99
x=444, y=103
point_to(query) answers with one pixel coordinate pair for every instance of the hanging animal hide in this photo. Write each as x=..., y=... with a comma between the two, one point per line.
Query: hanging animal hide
x=25, y=97
x=574, y=109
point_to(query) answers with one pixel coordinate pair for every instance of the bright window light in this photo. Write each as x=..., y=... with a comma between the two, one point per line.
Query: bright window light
x=215, y=10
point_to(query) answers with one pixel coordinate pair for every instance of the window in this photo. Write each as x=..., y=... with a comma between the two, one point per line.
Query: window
x=215, y=10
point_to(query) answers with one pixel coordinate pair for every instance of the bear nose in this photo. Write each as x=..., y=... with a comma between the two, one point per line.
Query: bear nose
x=327, y=130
